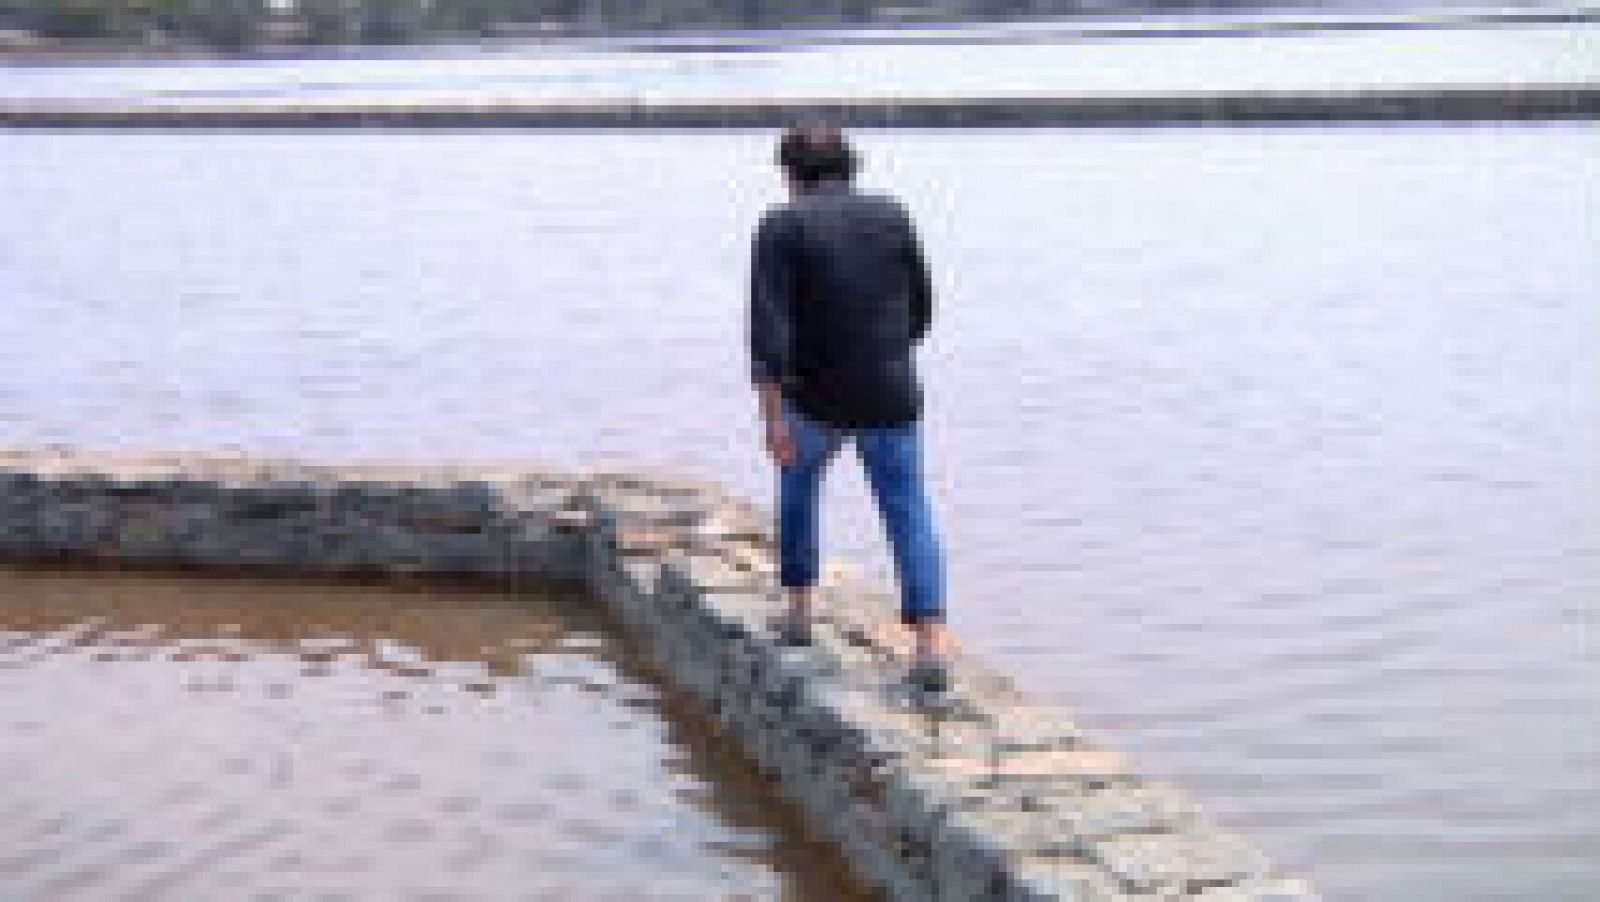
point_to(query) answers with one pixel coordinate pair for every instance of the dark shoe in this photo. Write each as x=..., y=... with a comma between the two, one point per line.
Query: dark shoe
x=791, y=632
x=930, y=676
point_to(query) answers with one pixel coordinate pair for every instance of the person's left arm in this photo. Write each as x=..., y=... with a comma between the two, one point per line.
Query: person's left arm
x=921, y=285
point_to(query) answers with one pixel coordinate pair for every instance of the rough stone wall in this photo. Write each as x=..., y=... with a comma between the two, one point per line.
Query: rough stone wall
x=287, y=516
x=987, y=795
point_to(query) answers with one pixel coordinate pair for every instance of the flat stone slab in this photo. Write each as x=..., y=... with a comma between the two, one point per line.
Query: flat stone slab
x=1145, y=863
x=1096, y=765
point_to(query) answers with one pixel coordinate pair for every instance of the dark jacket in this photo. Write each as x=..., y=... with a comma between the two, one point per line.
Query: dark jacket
x=839, y=297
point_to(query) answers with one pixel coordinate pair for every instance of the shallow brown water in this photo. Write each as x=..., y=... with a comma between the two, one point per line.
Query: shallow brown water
x=166, y=737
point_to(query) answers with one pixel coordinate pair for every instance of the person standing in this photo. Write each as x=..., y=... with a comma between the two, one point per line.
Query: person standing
x=840, y=298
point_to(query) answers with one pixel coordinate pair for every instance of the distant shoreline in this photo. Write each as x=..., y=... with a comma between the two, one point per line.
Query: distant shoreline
x=1089, y=26
x=1552, y=103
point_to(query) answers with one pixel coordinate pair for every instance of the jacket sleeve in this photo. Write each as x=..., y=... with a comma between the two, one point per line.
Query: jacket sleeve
x=771, y=297
x=921, y=286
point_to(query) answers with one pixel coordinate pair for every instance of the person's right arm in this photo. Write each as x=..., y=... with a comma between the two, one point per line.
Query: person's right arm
x=771, y=343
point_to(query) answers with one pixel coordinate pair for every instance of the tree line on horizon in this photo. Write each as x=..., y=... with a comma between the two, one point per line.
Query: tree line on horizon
x=237, y=24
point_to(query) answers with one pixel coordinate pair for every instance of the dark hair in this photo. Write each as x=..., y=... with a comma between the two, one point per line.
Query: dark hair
x=816, y=150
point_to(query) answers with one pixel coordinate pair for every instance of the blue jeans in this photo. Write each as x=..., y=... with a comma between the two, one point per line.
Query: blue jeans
x=892, y=457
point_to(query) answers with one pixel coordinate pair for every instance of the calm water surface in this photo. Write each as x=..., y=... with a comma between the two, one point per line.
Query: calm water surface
x=207, y=739
x=1272, y=453
x=1511, y=55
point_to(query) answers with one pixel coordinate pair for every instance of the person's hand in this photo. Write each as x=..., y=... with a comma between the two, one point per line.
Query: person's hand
x=780, y=442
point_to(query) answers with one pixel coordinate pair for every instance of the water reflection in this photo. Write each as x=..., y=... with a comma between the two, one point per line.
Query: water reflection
x=214, y=738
